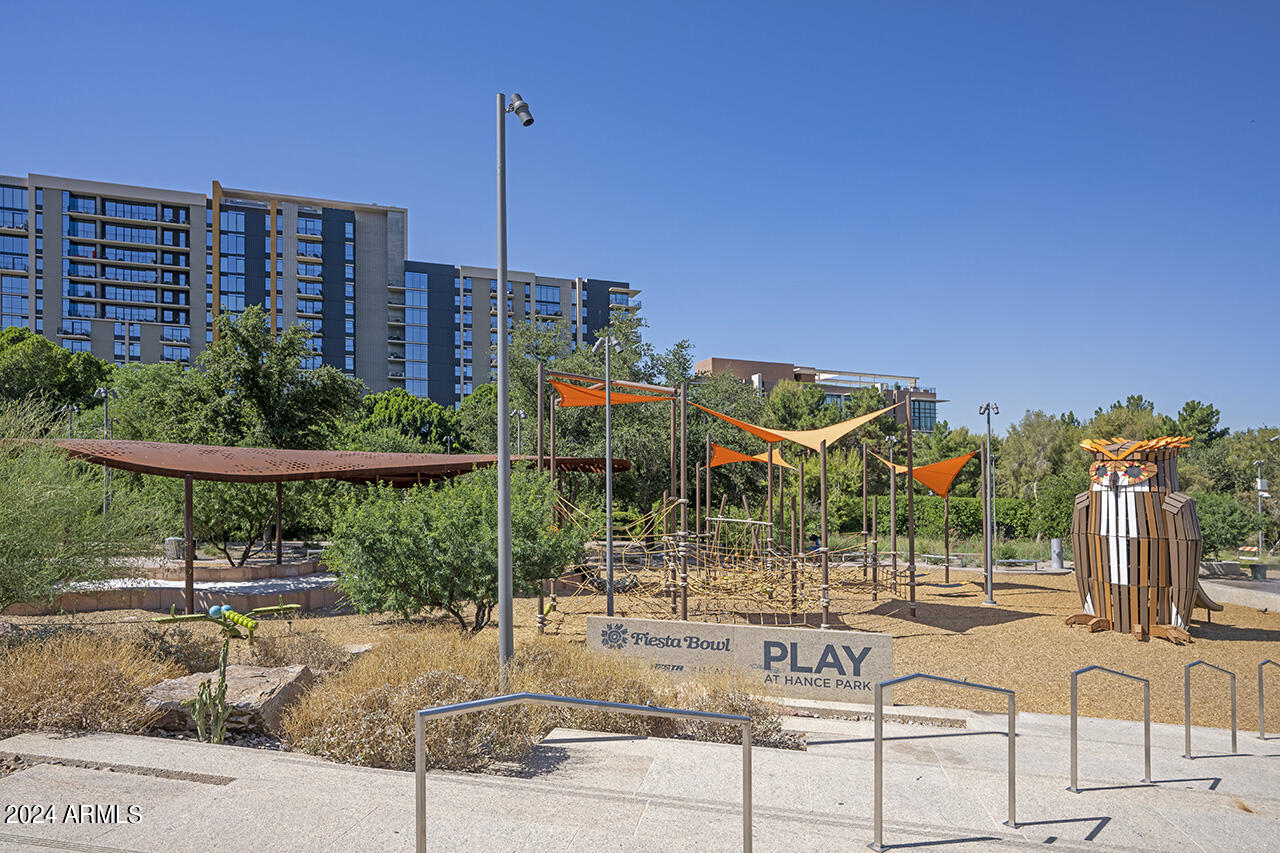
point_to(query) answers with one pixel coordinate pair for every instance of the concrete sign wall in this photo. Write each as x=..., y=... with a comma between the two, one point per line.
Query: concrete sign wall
x=801, y=662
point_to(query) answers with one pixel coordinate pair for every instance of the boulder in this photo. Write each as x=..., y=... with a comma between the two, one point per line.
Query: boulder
x=258, y=697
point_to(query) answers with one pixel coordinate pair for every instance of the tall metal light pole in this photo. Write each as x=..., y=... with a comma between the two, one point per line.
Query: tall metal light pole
x=609, y=344
x=506, y=611
x=518, y=414
x=71, y=410
x=989, y=524
x=1261, y=486
x=107, y=395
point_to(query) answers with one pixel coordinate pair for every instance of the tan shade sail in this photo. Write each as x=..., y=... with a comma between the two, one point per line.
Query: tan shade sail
x=272, y=465
x=810, y=438
x=777, y=458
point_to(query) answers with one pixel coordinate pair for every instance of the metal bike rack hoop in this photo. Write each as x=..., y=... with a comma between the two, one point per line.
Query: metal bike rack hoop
x=1186, y=704
x=1262, y=720
x=878, y=843
x=420, y=732
x=1075, y=723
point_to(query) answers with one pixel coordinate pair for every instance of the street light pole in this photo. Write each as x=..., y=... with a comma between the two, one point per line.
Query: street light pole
x=106, y=394
x=1260, y=488
x=989, y=493
x=608, y=344
x=506, y=610
x=518, y=414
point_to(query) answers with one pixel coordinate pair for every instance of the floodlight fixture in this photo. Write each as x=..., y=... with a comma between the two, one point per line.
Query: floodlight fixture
x=521, y=109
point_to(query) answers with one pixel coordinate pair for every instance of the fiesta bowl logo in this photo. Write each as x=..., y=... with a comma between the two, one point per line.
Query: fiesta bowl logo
x=614, y=636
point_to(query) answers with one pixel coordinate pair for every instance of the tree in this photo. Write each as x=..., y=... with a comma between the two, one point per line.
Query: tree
x=33, y=366
x=1200, y=422
x=1135, y=418
x=1225, y=523
x=53, y=531
x=436, y=547
x=413, y=416
x=1036, y=447
x=256, y=393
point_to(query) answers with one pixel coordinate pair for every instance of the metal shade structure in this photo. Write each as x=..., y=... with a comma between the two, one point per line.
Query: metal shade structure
x=272, y=465
x=218, y=463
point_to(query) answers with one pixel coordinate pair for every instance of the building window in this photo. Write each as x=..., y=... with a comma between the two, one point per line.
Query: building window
x=349, y=230
x=924, y=415
x=309, y=226
x=129, y=210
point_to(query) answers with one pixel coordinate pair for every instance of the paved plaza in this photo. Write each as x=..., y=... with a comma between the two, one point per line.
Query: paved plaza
x=945, y=786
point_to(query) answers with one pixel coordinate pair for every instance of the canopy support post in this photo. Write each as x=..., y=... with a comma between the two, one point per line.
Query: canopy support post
x=188, y=531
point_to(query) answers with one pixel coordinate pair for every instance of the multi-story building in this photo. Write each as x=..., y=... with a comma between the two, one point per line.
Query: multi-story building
x=133, y=289
x=838, y=384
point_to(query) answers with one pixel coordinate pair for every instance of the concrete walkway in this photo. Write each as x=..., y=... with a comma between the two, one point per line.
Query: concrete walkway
x=584, y=791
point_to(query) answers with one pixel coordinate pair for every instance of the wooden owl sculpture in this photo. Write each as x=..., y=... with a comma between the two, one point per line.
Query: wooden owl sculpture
x=1137, y=541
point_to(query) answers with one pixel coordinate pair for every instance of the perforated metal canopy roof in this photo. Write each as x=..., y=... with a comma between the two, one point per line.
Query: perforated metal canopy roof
x=270, y=465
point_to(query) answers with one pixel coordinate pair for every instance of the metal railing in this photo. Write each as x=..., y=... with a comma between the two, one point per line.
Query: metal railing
x=1012, y=822
x=1186, y=704
x=1075, y=723
x=420, y=730
x=1262, y=720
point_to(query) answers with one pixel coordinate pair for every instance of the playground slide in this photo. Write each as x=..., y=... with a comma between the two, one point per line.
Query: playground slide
x=1203, y=599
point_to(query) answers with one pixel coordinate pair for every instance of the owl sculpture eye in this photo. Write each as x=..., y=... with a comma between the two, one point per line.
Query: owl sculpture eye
x=1127, y=473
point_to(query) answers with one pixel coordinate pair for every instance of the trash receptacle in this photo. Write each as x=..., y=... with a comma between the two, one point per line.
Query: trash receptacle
x=173, y=547
x=1055, y=554
x=1258, y=572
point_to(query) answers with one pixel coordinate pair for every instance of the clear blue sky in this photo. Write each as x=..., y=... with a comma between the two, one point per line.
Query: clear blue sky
x=1051, y=205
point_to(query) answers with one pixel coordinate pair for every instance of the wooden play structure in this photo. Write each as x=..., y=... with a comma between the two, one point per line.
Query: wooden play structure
x=1137, y=541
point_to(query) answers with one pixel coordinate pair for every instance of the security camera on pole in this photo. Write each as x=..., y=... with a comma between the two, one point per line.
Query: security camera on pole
x=506, y=610
x=608, y=343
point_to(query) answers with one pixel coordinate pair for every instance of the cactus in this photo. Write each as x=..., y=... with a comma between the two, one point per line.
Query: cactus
x=209, y=708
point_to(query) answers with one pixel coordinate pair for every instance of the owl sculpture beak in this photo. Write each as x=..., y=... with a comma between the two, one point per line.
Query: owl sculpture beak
x=1114, y=481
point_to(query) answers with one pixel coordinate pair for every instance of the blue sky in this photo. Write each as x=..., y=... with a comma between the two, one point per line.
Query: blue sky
x=1050, y=205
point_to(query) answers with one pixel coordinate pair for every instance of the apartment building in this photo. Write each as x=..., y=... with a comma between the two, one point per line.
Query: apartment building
x=139, y=273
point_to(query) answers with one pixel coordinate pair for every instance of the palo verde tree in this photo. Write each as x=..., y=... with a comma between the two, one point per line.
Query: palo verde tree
x=54, y=531
x=427, y=548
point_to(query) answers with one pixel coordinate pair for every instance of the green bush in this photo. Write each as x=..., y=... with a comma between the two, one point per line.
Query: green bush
x=435, y=547
x=1225, y=523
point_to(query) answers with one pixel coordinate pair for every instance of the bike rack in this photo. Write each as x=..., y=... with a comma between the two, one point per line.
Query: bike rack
x=1186, y=704
x=420, y=731
x=878, y=844
x=1262, y=721
x=1146, y=723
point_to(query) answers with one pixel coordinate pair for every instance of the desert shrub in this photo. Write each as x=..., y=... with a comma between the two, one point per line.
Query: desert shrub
x=193, y=651
x=311, y=648
x=77, y=681
x=364, y=713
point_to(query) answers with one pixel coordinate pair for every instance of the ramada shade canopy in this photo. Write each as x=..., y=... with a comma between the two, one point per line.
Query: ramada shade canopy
x=270, y=465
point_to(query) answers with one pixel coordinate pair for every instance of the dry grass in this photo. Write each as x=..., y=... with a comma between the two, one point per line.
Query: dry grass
x=1022, y=644
x=77, y=681
x=364, y=714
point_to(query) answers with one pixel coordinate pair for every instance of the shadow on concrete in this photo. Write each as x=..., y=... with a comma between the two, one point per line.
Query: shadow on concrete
x=1114, y=787
x=1093, y=833
x=951, y=617
x=971, y=840
x=1214, y=781
x=813, y=742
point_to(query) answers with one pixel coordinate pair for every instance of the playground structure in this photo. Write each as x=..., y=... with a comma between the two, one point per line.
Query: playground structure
x=693, y=559
x=1137, y=541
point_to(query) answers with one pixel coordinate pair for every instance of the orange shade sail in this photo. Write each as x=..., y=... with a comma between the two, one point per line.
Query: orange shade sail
x=572, y=396
x=937, y=476
x=723, y=456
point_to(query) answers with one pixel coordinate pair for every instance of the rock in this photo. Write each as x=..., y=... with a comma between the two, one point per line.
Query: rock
x=258, y=697
x=354, y=650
